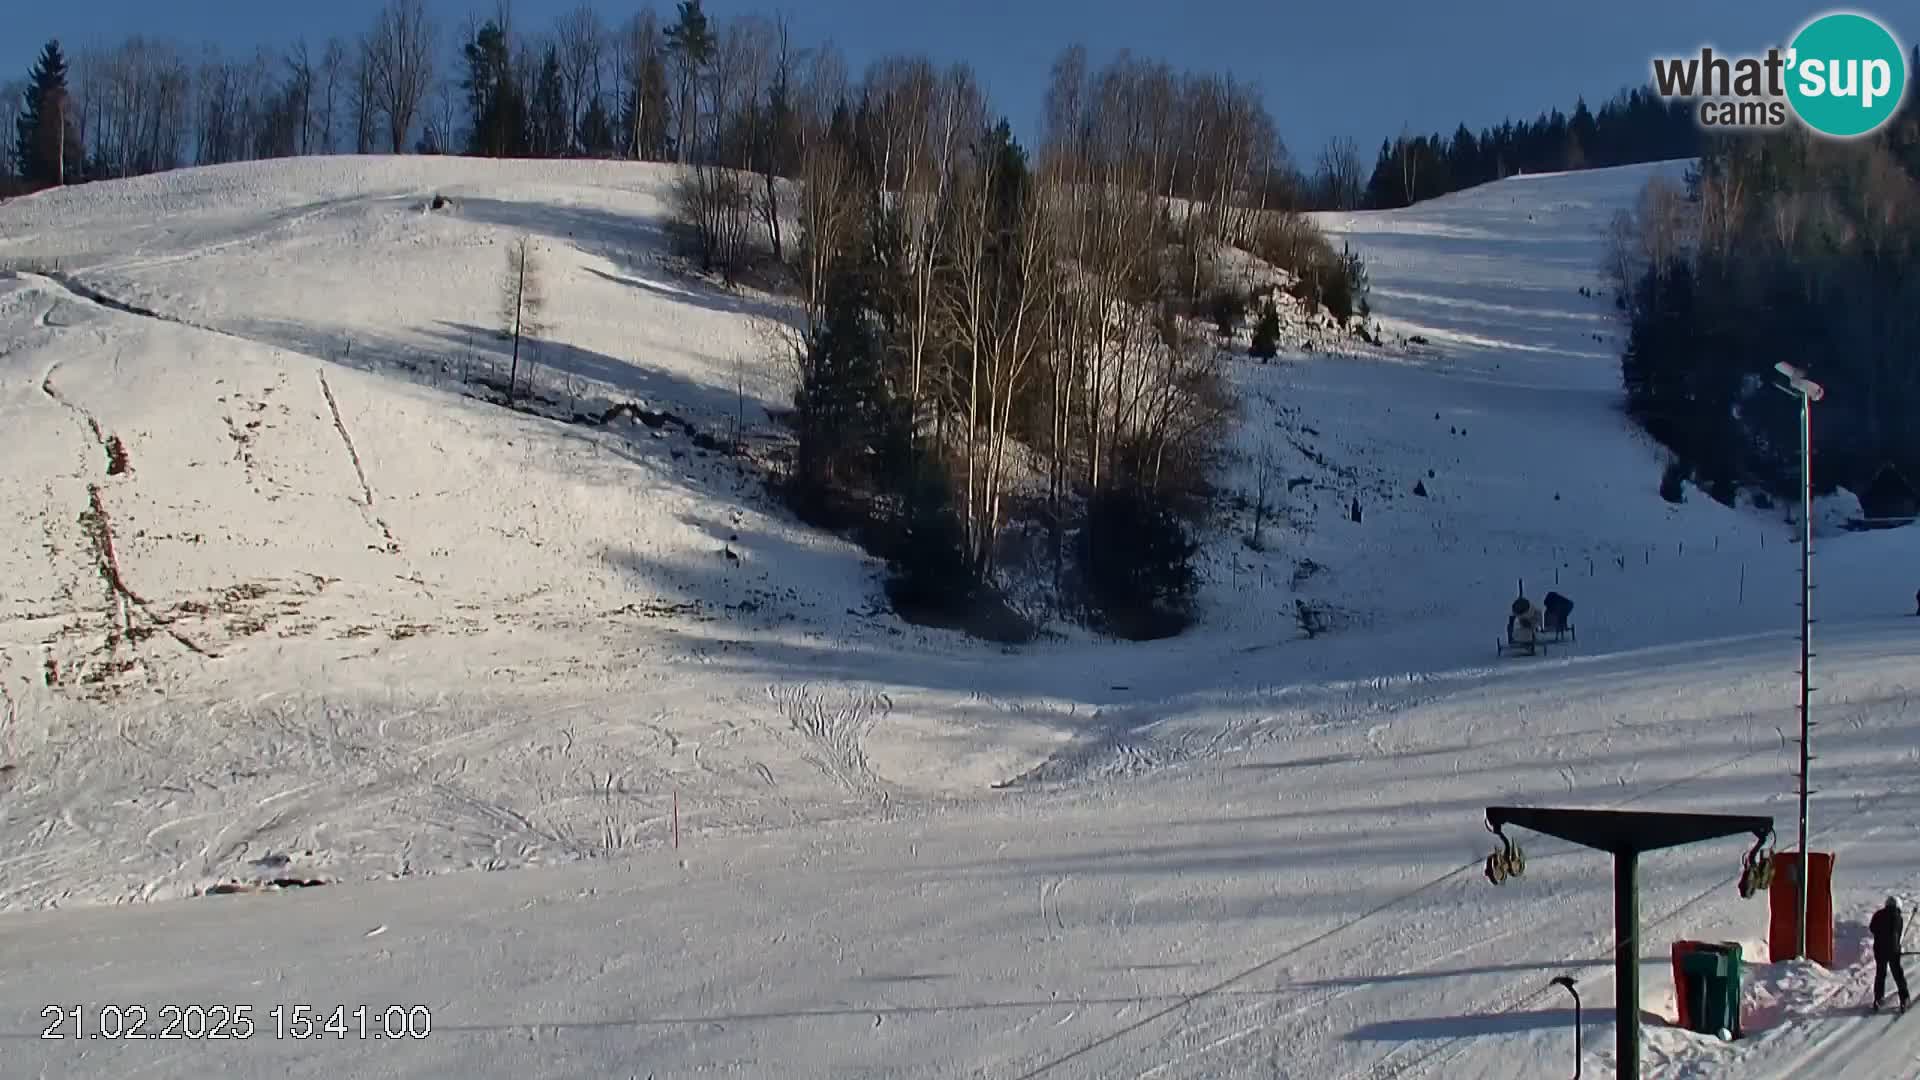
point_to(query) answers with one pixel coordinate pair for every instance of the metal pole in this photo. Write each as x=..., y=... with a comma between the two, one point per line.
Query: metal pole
x=1578, y=1053
x=1626, y=962
x=1806, y=656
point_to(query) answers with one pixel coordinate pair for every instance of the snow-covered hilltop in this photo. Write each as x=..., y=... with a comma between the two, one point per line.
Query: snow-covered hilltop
x=287, y=593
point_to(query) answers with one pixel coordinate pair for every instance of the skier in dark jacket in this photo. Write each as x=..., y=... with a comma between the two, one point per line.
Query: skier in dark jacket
x=1886, y=926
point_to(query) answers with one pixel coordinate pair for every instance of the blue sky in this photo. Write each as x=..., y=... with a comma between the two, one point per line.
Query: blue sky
x=1357, y=68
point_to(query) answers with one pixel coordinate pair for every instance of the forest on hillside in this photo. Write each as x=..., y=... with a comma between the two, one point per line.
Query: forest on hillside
x=1779, y=247
x=1636, y=126
x=1009, y=361
x=1011, y=364
x=581, y=87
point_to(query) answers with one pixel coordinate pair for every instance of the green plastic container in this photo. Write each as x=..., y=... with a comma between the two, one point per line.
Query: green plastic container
x=1713, y=988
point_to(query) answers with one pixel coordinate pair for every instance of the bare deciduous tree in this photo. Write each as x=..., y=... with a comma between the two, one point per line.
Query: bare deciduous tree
x=1722, y=202
x=1340, y=177
x=300, y=80
x=222, y=132
x=734, y=81
x=1063, y=134
x=1652, y=235
x=713, y=197
x=86, y=79
x=1138, y=397
x=1265, y=461
x=443, y=120
x=1409, y=166
x=581, y=38
x=995, y=310
x=822, y=87
x=400, y=63
x=332, y=83
x=777, y=135
x=134, y=105
x=714, y=205
x=363, y=96
x=1621, y=263
x=829, y=208
x=901, y=92
x=12, y=101
x=923, y=120
x=829, y=218
x=639, y=61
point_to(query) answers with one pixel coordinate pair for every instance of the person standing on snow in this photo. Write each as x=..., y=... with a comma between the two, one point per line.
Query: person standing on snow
x=1886, y=926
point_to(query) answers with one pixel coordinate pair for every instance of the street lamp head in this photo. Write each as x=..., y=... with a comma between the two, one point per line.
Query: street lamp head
x=1798, y=383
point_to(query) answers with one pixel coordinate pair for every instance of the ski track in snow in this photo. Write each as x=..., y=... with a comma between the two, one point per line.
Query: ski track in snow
x=1244, y=852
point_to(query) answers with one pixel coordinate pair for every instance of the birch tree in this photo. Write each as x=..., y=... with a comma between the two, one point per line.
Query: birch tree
x=997, y=306
x=830, y=210
x=641, y=60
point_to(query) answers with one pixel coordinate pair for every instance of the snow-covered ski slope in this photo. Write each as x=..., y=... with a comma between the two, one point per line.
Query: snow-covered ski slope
x=358, y=624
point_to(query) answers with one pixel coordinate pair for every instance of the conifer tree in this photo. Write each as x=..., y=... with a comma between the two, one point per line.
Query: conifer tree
x=691, y=43
x=498, y=113
x=46, y=140
x=1266, y=333
x=550, y=108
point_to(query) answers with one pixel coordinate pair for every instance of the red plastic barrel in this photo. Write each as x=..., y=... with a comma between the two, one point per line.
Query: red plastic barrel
x=1783, y=898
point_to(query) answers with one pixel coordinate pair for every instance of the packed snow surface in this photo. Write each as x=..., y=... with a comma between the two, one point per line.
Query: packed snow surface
x=287, y=594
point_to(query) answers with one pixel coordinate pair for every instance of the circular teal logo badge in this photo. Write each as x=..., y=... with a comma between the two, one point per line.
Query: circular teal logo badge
x=1845, y=74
